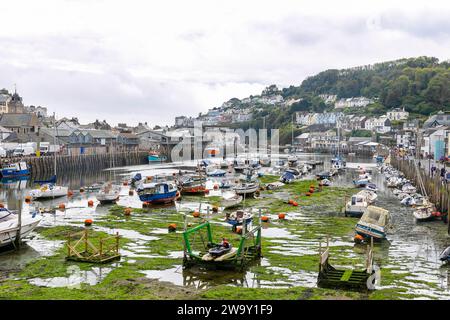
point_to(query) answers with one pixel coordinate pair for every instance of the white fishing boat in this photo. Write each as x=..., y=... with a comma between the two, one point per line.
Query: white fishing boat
x=49, y=190
x=373, y=223
x=356, y=206
x=109, y=193
x=230, y=200
x=370, y=196
x=246, y=188
x=9, y=222
x=425, y=212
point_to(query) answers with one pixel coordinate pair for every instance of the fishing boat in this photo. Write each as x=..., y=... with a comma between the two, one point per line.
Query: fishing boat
x=230, y=200
x=17, y=169
x=215, y=172
x=239, y=217
x=239, y=165
x=356, y=206
x=192, y=184
x=50, y=190
x=425, y=212
x=264, y=161
x=370, y=196
x=287, y=177
x=361, y=183
x=292, y=160
x=323, y=175
x=156, y=157
x=109, y=193
x=373, y=223
x=9, y=222
x=246, y=188
x=157, y=192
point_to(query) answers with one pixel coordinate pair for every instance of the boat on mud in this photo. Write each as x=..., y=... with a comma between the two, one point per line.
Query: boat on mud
x=356, y=206
x=192, y=184
x=215, y=172
x=49, y=190
x=157, y=192
x=373, y=224
x=287, y=177
x=230, y=200
x=9, y=222
x=246, y=188
x=239, y=217
x=109, y=193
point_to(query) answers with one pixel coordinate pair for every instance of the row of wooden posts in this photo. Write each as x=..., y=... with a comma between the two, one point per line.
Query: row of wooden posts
x=438, y=191
x=41, y=166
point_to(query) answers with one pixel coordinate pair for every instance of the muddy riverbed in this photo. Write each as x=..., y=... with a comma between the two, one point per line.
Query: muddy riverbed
x=151, y=262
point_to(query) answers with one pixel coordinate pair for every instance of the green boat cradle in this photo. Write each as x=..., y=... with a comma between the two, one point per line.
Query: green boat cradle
x=333, y=278
x=198, y=241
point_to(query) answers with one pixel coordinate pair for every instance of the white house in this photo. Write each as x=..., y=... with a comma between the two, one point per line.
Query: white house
x=355, y=102
x=398, y=114
x=380, y=125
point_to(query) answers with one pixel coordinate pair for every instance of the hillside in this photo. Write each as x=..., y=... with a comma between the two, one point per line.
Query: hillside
x=421, y=85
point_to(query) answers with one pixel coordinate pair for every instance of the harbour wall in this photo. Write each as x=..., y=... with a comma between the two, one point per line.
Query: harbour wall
x=44, y=166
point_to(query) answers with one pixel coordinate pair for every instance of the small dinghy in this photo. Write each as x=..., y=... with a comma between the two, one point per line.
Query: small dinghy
x=373, y=223
x=370, y=196
x=220, y=250
x=372, y=187
x=214, y=172
x=325, y=182
x=239, y=217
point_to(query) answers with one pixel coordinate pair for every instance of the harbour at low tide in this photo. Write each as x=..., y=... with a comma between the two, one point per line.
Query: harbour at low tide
x=409, y=260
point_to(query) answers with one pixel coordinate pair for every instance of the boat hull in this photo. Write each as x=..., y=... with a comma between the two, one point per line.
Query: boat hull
x=159, y=198
x=28, y=225
x=7, y=173
x=368, y=231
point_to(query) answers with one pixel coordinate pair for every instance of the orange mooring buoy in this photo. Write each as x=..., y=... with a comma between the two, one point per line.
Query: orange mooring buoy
x=88, y=222
x=127, y=211
x=281, y=216
x=196, y=214
x=27, y=199
x=70, y=193
x=295, y=203
x=172, y=227
x=264, y=218
x=90, y=203
x=62, y=206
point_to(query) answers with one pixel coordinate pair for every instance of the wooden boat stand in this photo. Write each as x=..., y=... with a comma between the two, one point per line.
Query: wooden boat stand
x=330, y=277
x=83, y=250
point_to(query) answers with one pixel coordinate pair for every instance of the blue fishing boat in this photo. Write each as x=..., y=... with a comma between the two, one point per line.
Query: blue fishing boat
x=157, y=192
x=239, y=217
x=154, y=157
x=216, y=173
x=287, y=177
x=15, y=170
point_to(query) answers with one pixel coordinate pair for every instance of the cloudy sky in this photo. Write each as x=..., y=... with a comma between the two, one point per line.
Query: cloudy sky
x=135, y=61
